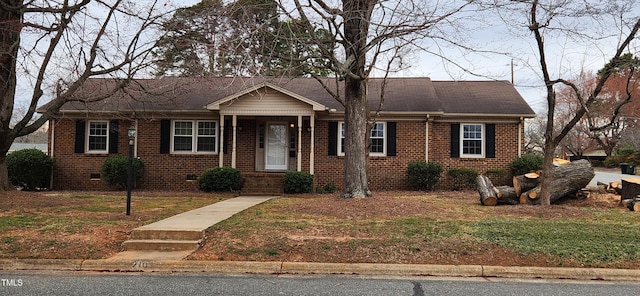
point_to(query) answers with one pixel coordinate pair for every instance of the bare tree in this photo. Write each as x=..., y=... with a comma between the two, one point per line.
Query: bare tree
x=55, y=46
x=366, y=36
x=582, y=22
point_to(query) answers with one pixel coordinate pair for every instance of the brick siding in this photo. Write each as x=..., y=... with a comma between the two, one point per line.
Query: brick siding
x=72, y=171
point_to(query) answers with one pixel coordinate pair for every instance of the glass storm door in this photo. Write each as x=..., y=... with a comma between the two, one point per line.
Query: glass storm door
x=277, y=149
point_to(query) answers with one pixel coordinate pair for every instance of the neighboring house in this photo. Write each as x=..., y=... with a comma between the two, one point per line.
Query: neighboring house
x=265, y=127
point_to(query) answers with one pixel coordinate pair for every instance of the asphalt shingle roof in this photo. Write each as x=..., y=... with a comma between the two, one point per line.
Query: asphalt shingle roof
x=400, y=94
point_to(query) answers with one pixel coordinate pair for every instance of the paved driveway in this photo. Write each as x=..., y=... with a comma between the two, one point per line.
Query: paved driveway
x=607, y=176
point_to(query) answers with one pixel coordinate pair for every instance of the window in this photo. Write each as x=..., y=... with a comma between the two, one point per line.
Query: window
x=377, y=138
x=192, y=136
x=472, y=140
x=98, y=137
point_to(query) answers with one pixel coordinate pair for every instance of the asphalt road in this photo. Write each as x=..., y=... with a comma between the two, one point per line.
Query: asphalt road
x=81, y=283
x=607, y=177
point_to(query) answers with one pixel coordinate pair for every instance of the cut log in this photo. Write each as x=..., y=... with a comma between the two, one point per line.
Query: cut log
x=507, y=195
x=487, y=191
x=522, y=184
x=630, y=188
x=565, y=180
x=532, y=175
x=636, y=206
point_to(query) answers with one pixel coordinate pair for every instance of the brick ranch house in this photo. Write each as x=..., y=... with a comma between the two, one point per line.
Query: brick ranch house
x=265, y=127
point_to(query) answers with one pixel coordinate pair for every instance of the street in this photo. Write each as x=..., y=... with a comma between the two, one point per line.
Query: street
x=83, y=283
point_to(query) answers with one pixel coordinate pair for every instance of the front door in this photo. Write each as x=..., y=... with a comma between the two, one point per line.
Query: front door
x=277, y=148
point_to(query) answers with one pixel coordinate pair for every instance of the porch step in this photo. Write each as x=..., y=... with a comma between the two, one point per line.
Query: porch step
x=161, y=245
x=263, y=184
x=161, y=234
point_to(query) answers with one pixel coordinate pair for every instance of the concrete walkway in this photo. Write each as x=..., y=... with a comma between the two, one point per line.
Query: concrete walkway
x=607, y=177
x=178, y=236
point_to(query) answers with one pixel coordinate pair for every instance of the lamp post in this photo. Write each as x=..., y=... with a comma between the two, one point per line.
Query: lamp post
x=132, y=135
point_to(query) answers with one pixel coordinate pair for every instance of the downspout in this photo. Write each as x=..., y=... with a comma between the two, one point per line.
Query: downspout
x=234, y=124
x=426, y=140
x=520, y=127
x=52, y=124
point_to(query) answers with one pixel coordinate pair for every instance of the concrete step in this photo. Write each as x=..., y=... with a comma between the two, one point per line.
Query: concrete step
x=161, y=245
x=161, y=234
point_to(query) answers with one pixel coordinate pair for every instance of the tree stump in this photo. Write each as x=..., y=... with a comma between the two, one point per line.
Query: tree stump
x=630, y=188
x=566, y=180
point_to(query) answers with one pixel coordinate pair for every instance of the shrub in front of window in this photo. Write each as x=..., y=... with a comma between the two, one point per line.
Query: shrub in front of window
x=463, y=178
x=29, y=169
x=498, y=177
x=423, y=175
x=525, y=164
x=220, y=179
x=298, y=182
x=115, y=170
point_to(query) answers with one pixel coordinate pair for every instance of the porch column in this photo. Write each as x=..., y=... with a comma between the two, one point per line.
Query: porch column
x=221, y=150
x=299, y=152
x=234, y=123
x=311, y=125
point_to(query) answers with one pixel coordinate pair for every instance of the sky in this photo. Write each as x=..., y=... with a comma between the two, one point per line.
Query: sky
x=567, y=57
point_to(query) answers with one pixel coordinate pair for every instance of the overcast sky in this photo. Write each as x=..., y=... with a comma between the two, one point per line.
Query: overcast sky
x=566, y=57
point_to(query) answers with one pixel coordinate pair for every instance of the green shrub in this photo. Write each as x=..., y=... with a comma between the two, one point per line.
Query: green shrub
x=463, y=178
x=328, y=188
x=423, y=175
x=115, y=170
x=29, y=168
x=298, y=182
x=220, y=179
x=498, y=177
x=612, y=161
x=525, y=164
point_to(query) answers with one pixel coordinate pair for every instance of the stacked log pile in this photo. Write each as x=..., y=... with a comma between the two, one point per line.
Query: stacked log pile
x=567, y=180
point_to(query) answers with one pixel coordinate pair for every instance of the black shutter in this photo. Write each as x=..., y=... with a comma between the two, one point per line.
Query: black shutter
x=455, y=140
x=113, y=136
x=333, y=138
x=391, y=139
x=165, y=136
x=79, y=142
x=490, y=142
x=225, y=139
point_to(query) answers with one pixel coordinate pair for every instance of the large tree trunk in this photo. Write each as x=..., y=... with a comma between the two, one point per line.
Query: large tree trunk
x=10, y=27
x=356, y=29
x=565, y=180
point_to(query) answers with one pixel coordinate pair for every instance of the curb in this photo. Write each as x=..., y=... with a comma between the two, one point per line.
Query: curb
x=311, y=268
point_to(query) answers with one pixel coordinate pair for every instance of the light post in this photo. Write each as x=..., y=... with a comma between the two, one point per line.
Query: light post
x=132, y=135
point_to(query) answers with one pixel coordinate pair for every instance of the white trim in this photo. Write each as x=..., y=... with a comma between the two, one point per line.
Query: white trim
x=88, y=136
x=284, y=167
x=378, y=154
x=482, y=141
x=194, y=137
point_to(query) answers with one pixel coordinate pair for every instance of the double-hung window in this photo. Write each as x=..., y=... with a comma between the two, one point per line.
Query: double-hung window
x=377, y=143
x=194, y=136
x=472, y=140
x=98, y=137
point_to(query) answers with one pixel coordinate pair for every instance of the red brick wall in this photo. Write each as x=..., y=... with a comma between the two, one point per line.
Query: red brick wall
x=506, y=151
x=169, y=171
